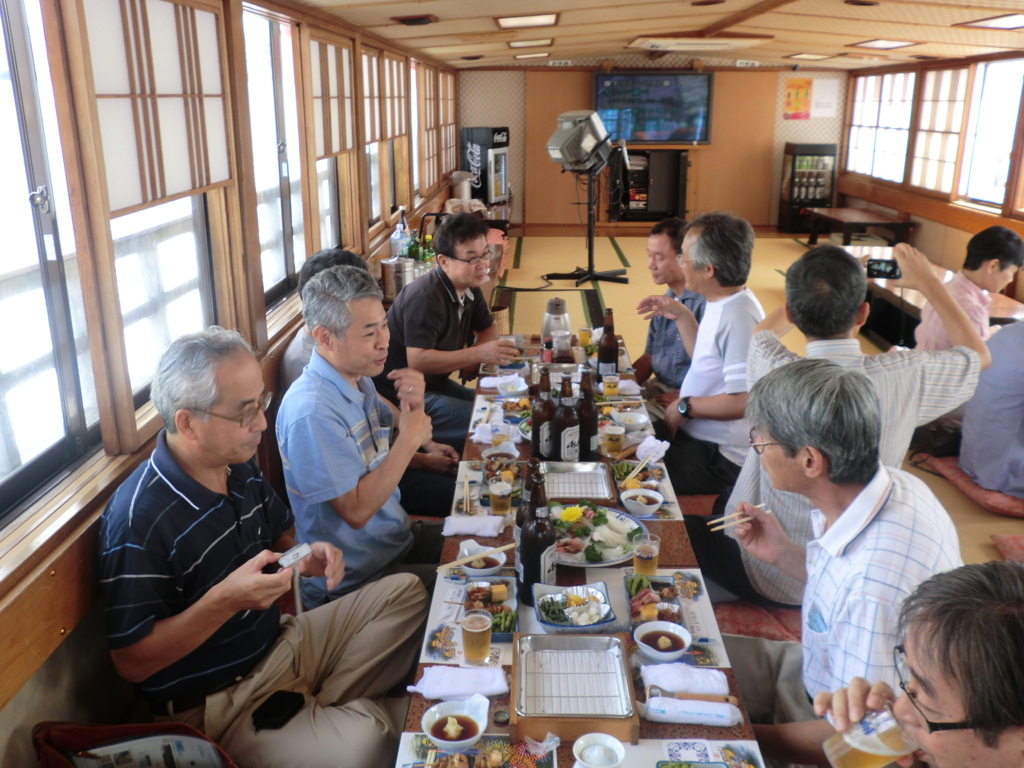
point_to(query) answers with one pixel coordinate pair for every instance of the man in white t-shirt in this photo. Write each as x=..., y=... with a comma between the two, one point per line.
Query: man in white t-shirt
x=709, y=433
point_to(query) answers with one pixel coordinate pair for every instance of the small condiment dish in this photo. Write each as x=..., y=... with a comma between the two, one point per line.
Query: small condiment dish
x=501, y=453
x=475, y=708
x=633, y=421
x=515, y=387
x=636, y=501
x=470, y=547
x=667, y=627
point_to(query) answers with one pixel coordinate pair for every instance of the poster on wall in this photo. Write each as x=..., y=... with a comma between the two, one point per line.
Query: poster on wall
x=825, y=98
x=798, y=99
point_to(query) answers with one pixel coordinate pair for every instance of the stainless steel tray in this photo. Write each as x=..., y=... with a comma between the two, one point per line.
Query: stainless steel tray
x=572, y=676
x=578, y=480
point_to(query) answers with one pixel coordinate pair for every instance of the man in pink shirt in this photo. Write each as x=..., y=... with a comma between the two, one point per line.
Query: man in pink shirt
x=993, y=257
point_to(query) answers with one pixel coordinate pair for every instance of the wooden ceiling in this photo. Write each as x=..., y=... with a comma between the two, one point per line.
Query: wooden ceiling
x=756, y=32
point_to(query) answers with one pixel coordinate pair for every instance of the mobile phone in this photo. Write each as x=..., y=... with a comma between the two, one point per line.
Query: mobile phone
x=289, y=558
x=886, y=269
x=277, y=710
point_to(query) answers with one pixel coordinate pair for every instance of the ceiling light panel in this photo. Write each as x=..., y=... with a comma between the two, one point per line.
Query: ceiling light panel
x=530, y=43
x=522, y=22
x=883, y=45
x=809, y=56
x=1009, y=21
x=532, y=55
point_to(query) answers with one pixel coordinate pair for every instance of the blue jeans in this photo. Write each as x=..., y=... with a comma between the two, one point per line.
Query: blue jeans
x=450, y=411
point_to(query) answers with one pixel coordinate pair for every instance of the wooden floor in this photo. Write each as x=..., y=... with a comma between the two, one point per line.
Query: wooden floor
x=535, y=256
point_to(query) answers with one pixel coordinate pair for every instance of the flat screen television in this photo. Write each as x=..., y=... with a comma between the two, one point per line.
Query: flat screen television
x=655, y=107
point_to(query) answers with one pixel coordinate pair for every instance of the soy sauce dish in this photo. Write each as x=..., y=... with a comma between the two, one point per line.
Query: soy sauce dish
x=662, y=640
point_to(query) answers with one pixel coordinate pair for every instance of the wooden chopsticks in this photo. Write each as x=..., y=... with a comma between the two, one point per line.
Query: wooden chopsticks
x=637, y=468
x=728, y=521
x=475, y=556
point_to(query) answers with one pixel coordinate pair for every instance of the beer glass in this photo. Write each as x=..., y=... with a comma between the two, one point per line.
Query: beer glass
x=645, y=554
x=583, y=335
x=874, y=742
x=500, y=492
x=611, y=385
x=476, y=636
x=613, y=439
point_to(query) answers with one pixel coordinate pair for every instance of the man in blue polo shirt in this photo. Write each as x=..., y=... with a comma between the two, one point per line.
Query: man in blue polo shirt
x=190, y=612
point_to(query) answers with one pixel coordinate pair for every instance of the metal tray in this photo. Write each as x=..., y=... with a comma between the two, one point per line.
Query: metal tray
x=578, y=480
x=573, y=676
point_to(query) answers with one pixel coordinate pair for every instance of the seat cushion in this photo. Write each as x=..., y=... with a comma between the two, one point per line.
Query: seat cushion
x=993, y=501
x=742, y=618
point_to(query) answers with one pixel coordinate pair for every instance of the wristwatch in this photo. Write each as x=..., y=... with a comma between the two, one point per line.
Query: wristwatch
x=684, y=408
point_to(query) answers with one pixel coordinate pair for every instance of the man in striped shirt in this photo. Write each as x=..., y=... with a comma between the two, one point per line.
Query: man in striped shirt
x=190, y=611
x=877, y=534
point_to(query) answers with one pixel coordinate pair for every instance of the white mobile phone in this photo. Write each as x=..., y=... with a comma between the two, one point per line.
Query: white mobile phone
x=293, y=555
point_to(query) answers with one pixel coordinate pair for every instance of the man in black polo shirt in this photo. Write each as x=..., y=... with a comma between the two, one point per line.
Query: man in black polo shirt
x=441, y=323
x=190, y=614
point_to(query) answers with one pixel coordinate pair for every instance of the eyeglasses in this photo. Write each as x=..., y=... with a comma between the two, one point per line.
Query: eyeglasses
x=246, y=417
x=472, y=262
x=899, y=658
x=759, y=447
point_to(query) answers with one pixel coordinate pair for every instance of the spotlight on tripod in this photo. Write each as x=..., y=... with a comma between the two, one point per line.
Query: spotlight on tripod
x=581, y=146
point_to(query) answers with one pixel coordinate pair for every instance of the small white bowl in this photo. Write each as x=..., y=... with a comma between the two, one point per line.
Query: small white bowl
x=662, y=626
x=633, y=421
x=600, y=748
x=516, y=387
x=475, y=708
x=501, y=453
x=631, y=501
x=471, y=547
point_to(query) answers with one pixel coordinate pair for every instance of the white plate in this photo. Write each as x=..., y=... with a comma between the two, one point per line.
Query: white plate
x=580, y=561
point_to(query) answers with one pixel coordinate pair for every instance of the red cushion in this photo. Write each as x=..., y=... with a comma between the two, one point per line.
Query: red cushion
x=993, y=501
x=742, y=618
x=696, y=505
x=1010, y=546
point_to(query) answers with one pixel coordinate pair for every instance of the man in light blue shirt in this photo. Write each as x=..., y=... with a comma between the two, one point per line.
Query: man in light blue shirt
x=341, y=469
x=992, y=449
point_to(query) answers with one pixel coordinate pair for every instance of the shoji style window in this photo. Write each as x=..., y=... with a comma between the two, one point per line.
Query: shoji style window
x=995, y=104
x=425, y=130
x=940, y=121
x=880, y=125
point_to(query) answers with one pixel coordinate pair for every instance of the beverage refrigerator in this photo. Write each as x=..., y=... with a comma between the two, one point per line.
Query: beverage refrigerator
x=808, y=180
x=484, y=153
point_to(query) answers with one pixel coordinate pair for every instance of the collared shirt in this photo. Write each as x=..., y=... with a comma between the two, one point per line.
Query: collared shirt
x=331, y=433
x=164, y=541
x=429, y=314
x=913, y=388
x=930, y=334
x=992, y=451
x=720, y=366
x=893, y=536
x=669, y=360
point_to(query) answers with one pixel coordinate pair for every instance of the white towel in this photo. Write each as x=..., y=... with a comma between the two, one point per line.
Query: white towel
x=626, y=387
x=661, y=709
x=653, y=447
x=492, y=382
x=682, y=678
x=456, y=683
x=476, y=525
x=483, y=432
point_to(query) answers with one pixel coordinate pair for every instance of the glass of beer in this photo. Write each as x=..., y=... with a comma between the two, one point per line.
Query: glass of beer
x=476, y=636
x=501, y=496
x=645, y=554
x=500, y=432
x=611, y=385
x=874, y=742
x=614, y=436
x=583, y=336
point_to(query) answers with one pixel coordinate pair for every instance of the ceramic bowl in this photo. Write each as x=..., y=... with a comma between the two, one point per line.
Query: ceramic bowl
x=633, y=421
x=634, y=501
x=500, y=453
x=517, y=387
x=475, y=708
x=470, y=547
x=598, y=749
x=667, y=627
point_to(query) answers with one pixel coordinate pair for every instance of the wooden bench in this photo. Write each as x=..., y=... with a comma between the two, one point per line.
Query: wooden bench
x=855, y=220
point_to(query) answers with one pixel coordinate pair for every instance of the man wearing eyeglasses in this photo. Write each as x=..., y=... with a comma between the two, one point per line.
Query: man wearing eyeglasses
x=441, y=323
x=877, y=533
x=188, y=551
x=960, y=670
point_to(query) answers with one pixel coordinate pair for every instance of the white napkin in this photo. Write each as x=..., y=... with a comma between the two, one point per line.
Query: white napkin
x=626, y=387
x=475, y=525
x=662, y=709
x=492, y=382
x=455, y=683
x=682, y=678
x=483, y=433
x=596, y=334
x=653, y=447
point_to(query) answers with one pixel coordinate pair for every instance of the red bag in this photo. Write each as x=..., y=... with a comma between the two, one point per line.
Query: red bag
x=54, y=740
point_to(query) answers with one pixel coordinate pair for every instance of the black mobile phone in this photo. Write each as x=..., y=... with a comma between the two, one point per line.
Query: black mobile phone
x=886, y=269
x=277, y=710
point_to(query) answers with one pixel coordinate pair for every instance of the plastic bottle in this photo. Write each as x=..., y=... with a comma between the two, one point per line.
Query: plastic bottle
x=412, y=247
x=400, y=234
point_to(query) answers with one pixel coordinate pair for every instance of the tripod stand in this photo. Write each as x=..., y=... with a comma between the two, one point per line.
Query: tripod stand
x=581, y=275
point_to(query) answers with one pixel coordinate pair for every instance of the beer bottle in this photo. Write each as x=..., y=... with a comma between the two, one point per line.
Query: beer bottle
x=608, y=347
x=567, y=424
x=588, y=419
x=541, y=418
x=536, y=551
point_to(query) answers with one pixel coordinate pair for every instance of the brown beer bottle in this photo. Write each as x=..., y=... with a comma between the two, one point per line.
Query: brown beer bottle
x=588, y=419
x=541, y=418
x=567, y=424
x=608, y=347
x=536, y=551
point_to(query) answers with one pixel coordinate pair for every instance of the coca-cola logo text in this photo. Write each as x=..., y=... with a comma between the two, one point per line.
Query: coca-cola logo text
x=474, y=159
x=501, y=137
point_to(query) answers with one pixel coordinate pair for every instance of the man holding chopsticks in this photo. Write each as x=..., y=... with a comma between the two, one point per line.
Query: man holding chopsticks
x=878, y=533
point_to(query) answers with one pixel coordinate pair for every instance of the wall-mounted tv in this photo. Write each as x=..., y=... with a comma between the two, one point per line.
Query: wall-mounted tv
x=651, y=106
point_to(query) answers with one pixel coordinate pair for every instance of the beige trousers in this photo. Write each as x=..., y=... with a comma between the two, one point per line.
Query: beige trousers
x=651, y=389
x=341, y=657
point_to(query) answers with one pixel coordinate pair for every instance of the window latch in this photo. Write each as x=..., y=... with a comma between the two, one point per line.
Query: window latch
x=40, y=199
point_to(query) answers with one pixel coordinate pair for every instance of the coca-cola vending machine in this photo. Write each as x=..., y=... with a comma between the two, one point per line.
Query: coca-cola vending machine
x=484, y=153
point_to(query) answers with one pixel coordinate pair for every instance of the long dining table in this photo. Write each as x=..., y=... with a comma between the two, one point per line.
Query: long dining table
x=659, y=744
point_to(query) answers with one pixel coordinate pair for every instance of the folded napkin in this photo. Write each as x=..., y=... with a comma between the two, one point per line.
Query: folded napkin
x=662, y=709
x=475, y=525
x=482, y=433
x=682, y=678
x=653, y=447
x=626, y=387
x=493, y=382
x=455, y=683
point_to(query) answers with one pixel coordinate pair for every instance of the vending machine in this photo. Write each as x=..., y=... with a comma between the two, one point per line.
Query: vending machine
x=484, y=153
x=808, y=179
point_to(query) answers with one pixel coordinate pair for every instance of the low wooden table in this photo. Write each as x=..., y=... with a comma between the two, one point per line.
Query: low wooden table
x=851, y=220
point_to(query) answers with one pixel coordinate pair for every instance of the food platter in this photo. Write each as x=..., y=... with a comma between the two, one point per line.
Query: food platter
x=620, y=527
